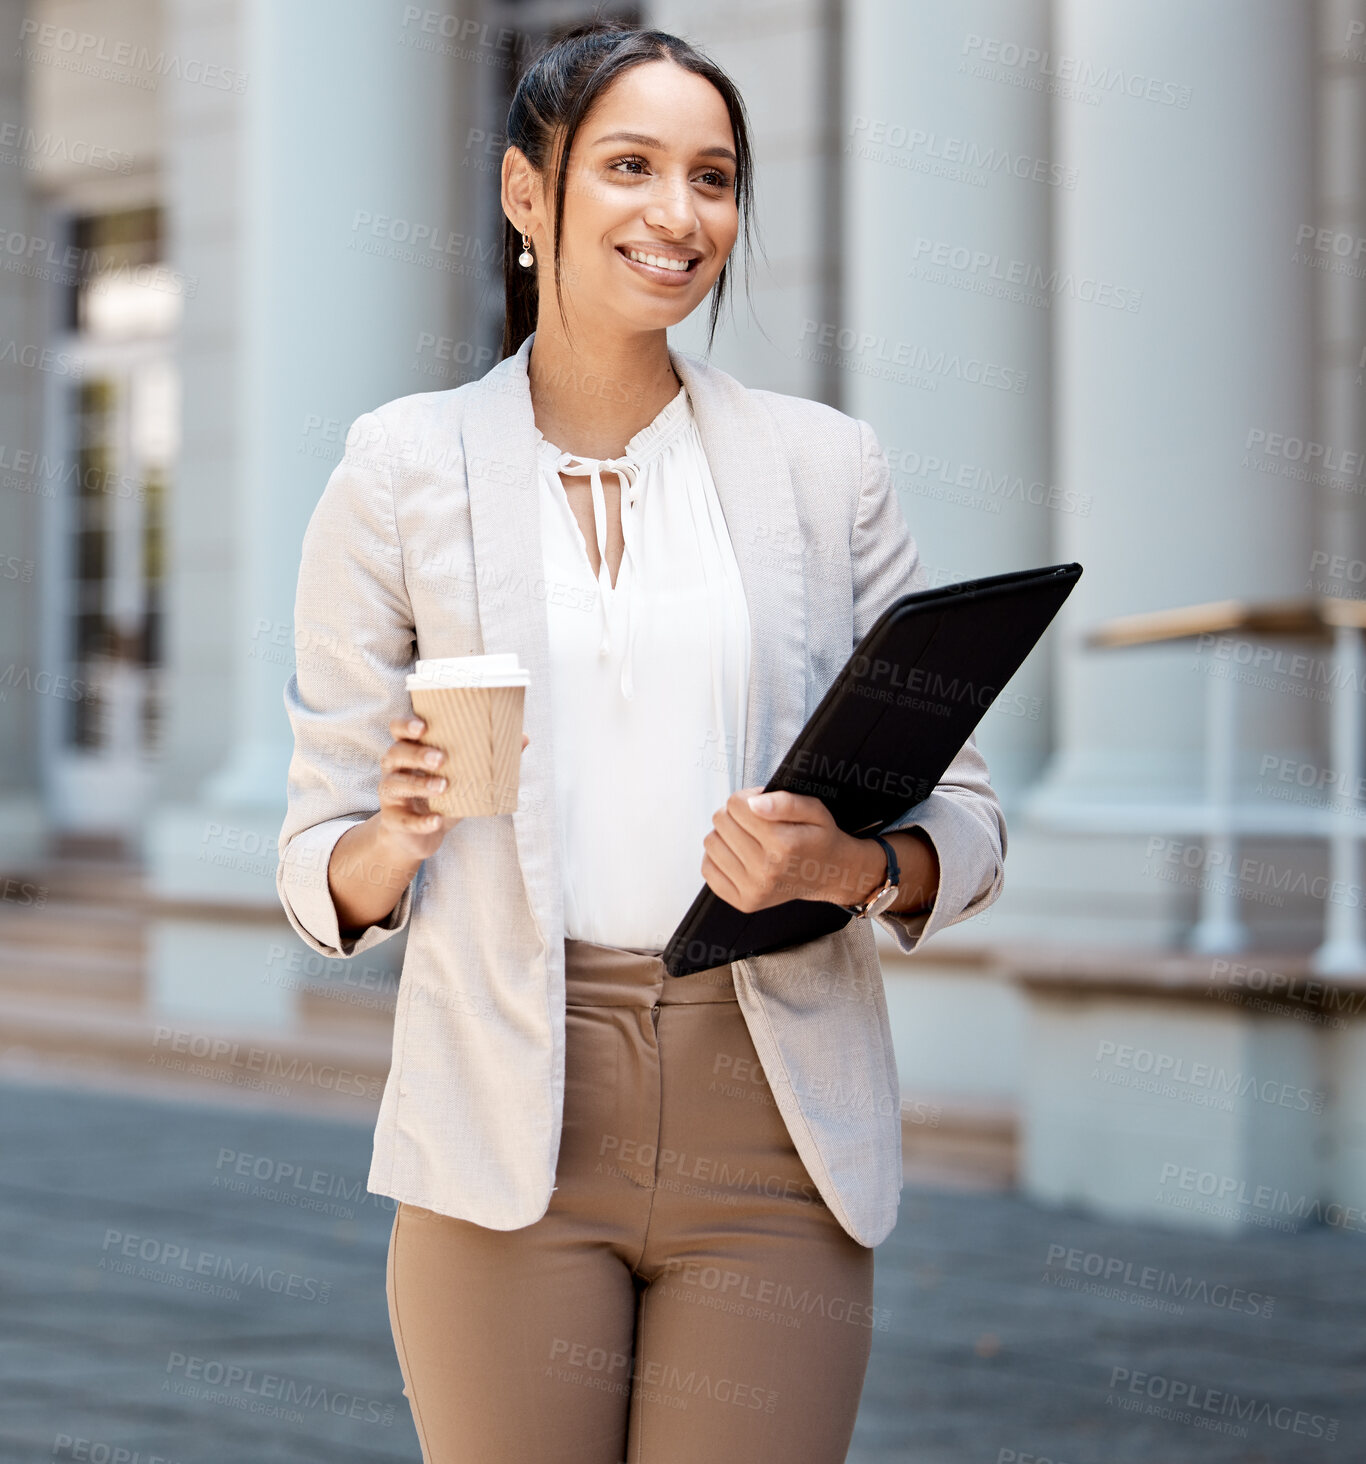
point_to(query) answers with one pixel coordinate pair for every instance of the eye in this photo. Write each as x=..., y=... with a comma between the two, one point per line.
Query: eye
x=715, y=178
x=632, y=162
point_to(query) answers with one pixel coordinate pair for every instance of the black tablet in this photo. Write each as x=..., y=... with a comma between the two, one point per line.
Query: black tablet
x=892, y=721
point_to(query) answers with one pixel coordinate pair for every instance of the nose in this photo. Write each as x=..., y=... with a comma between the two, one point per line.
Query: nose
x=671, y=205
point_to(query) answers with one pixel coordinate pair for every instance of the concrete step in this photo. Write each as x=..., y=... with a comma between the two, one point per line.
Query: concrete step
x=73, y=973
x=73, y=957
x=959, y=1146
x=74, y=924
x=72, y=984
x=340, y=1071
x=84, y=880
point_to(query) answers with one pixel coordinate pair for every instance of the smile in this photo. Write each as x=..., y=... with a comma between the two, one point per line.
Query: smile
x=657, y=266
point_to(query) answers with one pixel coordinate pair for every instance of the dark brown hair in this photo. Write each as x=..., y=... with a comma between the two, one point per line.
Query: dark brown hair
x=550, y=103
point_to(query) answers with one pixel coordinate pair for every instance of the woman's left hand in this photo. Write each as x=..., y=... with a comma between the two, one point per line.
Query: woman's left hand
x=785, y=847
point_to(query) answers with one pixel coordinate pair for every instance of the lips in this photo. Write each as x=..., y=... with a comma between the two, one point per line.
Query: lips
x=659, y=263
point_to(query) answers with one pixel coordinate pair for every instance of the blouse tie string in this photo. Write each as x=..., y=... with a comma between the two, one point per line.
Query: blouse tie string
x=628, y=471
x=715, y=628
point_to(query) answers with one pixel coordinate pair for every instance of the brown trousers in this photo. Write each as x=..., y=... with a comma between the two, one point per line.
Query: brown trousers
x=687, y=1298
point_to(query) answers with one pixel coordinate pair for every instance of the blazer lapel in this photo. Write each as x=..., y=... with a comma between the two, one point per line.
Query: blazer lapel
x=748, y=463
x=498, y=434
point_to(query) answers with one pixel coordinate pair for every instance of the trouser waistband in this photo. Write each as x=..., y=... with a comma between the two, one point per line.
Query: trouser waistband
x=604, y=975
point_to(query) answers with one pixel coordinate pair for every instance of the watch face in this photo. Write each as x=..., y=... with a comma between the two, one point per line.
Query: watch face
x=887, y=897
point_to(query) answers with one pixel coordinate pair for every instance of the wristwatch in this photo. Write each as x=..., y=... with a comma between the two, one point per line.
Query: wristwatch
x=886, y=892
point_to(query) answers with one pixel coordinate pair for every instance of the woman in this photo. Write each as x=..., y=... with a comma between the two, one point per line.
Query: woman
x=636, y=1212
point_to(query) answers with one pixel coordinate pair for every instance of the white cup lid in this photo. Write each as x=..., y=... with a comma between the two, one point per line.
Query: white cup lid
x=498, y=669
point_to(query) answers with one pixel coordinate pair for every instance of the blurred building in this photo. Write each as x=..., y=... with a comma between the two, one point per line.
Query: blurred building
x=1093, y=273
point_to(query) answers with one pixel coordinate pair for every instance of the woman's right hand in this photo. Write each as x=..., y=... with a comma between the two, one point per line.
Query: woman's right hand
x=410, y=772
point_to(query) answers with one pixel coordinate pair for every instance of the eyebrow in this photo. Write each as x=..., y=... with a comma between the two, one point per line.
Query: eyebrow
x=644, y=141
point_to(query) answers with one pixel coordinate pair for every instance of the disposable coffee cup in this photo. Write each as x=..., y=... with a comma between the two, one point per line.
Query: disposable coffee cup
x=472, y=706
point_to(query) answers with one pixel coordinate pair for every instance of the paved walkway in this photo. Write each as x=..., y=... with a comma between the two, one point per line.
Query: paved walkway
x=206, y=1286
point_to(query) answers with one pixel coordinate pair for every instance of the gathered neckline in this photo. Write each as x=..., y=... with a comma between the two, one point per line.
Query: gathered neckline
x=650, y=440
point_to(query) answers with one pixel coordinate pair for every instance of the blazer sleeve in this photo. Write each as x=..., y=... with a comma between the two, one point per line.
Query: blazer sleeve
x=962, y=817
x=353, y=644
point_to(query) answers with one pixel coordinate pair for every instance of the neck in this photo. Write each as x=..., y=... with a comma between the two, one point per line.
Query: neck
x=592, y=394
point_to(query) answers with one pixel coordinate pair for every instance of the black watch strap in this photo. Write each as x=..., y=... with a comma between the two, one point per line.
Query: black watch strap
x=893, y=876
x=893, y=868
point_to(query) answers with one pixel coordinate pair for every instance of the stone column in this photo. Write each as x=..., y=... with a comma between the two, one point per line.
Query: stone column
x=327, y=242
x=950, y=182
x=1338, y=556
x=26, y=582
x=1191, y=129
x=784, y=57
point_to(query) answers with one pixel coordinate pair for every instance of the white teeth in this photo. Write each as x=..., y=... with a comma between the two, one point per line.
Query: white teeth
x=677, y=265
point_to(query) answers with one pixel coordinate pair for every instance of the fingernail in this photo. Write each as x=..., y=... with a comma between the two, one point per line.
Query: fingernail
x=415, y=726
x=760, y=802
x=433, y=757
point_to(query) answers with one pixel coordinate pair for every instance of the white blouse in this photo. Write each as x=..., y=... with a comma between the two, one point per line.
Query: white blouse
x=648, y=681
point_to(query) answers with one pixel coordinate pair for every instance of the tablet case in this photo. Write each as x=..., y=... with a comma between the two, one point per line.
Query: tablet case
x=885, y=732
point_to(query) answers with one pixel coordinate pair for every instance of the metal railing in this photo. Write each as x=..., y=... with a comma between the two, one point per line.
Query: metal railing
x=1221, y=819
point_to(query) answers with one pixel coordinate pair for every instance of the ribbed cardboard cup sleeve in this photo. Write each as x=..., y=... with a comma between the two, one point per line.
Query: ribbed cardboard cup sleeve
x=479, y=728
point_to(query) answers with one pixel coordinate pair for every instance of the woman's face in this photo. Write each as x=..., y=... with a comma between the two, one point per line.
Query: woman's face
x=651, y=177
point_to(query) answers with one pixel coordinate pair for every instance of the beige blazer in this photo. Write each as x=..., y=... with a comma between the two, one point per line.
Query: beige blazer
x=426, y=542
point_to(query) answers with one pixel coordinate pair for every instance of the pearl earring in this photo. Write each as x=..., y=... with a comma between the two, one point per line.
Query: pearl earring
x=524, y=258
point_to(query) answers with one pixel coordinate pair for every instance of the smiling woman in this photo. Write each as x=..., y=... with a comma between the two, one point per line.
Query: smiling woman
x=578, y=1185
x=692, y=155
